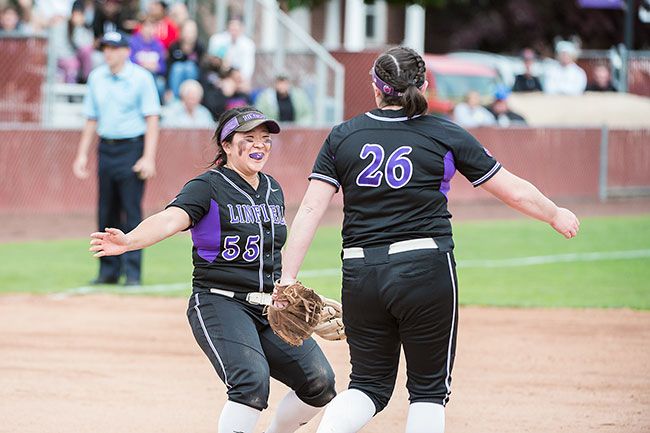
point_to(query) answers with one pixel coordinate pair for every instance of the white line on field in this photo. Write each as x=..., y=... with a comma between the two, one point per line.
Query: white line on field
x=333, y=272
x=556, y=258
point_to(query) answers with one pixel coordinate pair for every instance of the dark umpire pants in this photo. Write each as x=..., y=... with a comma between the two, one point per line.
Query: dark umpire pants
x=120, y=201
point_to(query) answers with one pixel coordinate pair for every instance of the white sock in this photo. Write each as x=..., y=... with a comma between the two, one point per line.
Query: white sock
x=237, y=418
x=425, y=418
x=347, y=413
x=292, y=413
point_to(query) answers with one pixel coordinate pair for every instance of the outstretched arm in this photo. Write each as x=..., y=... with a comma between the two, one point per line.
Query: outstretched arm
x=313, y=206
x=524, y=197
x=162, y=225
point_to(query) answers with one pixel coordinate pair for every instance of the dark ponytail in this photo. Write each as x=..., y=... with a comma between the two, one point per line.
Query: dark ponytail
x=221, y=158
x=403, y=69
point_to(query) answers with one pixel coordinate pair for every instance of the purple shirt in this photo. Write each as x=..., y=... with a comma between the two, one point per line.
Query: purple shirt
x=142, y=51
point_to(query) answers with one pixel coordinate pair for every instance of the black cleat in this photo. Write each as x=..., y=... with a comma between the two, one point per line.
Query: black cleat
x=103, y=280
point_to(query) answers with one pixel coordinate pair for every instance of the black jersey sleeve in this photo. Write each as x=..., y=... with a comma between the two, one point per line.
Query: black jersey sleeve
x=470, y=157
x=324, y=167
x=194, y=199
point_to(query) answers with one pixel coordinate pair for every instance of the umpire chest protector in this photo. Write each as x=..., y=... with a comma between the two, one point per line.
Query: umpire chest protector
x=237, y=231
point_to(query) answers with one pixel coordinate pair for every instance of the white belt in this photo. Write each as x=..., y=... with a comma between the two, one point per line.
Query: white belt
x=394, y=248
x=255, y=298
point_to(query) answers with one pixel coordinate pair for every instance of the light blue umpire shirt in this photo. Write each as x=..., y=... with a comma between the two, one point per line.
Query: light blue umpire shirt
x=121, y=102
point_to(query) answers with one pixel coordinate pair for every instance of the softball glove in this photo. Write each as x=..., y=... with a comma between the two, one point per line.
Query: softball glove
x=295, y=313
x=331, y=326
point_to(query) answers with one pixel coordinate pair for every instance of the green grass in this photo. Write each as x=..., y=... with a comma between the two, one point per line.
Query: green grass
x=53, y=266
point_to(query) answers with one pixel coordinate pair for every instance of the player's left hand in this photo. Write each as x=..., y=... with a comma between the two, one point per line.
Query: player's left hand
x=112, y=242
x=277, y=289
x=145, y=167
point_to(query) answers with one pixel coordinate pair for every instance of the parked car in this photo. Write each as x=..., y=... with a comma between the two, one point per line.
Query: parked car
x=507, y=67
x=450, y=79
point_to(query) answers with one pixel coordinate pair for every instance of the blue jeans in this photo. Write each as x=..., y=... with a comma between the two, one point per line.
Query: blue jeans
x=179, y=72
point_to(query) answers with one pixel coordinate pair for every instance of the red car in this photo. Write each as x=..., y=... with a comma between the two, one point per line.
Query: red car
x=450, y=79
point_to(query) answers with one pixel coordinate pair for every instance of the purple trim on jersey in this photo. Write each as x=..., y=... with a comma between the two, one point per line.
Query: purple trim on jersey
x=448, y=173
x=206, y=234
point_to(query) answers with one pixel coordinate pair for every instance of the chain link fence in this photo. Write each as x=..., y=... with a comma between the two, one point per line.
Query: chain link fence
x=638, y=68
x=23, y=69
x=573, y=164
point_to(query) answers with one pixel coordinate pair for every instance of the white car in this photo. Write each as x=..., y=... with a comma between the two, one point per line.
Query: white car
x=508, y=67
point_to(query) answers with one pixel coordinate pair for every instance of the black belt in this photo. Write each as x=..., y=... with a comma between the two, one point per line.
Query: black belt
x=121, y=140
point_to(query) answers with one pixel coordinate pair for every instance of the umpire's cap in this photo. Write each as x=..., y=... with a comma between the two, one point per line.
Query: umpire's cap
x=247, y=121
x=114, y=39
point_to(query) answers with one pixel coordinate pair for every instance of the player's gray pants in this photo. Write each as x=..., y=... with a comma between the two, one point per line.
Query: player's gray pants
x=245, y=353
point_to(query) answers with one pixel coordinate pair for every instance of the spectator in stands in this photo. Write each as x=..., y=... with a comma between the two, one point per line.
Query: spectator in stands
x=188, y=112
x=236, y=49
x=471, y=114
x=179, y=14
x=184, y=57
x=28, y=24
x=602, y=80
x=88, y=9
x=114, y=15
x=224, y=94
x=10, y=21
x=527, y=82
x=81, y=39
x=502, y=113
x=285, y=102
x=54, y=16
x=148, y=51
x=211, y=69
x=164, y=28
x=567, y=78
x=122, y=106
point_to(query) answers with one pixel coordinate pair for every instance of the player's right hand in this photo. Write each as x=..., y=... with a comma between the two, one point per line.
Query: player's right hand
x=112, y=242
x=566, y=223
x=80, y=167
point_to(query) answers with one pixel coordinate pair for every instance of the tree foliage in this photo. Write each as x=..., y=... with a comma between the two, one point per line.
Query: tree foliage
x=509, y=25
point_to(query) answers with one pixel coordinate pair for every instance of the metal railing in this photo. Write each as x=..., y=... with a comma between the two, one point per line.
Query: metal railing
x=283, y=46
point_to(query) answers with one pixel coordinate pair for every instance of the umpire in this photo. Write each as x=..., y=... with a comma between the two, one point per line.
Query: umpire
x=123, y=108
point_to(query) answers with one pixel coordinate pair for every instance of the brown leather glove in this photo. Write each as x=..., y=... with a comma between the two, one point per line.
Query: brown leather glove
x=299, y=314
x=331, y=325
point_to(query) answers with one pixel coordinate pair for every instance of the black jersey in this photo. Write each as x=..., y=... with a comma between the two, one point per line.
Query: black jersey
x=237, y=232
x=396, y=172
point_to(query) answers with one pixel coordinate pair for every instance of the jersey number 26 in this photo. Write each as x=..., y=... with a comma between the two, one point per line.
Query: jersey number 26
x=398, y=170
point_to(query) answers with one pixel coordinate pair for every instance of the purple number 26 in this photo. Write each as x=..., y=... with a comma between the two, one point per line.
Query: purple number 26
x=371, y=176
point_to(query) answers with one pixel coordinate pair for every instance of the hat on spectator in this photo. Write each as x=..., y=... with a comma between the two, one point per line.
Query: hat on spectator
x=566, y=47
x=114, y=39
x=501, y=93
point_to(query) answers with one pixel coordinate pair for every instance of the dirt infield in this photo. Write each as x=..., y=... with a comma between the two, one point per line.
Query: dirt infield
x=129, y=364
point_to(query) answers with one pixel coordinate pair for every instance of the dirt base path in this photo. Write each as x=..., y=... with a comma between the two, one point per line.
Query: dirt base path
x=129, y=364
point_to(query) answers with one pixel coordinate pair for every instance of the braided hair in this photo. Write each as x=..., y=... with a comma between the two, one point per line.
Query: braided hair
x=405, y=70
x=221, y=158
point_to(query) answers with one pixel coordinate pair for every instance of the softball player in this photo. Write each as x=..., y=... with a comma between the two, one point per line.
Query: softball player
x=236, y=216
x=395, y=165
